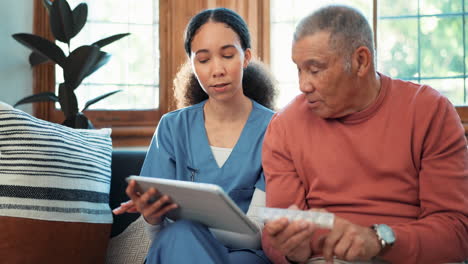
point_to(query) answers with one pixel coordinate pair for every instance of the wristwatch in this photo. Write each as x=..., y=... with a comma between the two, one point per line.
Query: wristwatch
x=385, y=235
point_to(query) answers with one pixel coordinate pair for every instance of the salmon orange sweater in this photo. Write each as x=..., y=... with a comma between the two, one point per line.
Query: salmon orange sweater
x=403, y=161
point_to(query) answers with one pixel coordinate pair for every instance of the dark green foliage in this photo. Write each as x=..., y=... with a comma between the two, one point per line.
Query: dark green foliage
x=40, y=97
x=80, y=63
x=42, y=46
x=99, y=98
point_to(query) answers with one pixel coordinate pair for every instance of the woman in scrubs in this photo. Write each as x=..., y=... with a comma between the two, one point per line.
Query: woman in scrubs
x=215, y=138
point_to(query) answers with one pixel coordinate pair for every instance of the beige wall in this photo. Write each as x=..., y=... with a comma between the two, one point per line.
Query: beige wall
x=15, y=72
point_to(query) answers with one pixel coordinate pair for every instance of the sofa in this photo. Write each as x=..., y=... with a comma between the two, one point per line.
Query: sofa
x=57, y=188
x=124, y=163
x=129, y=241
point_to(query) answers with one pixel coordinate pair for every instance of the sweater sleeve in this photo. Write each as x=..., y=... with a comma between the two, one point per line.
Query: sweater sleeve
x=280, y=177
x=440, y=234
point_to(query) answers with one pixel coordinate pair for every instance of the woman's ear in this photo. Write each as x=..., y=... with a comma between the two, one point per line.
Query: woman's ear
x=247, y=57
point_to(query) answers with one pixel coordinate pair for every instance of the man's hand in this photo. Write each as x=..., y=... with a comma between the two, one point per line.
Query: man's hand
x=350, y=242
x=292, y=239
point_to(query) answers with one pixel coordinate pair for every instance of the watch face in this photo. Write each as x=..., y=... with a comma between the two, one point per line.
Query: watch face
x=386, y=233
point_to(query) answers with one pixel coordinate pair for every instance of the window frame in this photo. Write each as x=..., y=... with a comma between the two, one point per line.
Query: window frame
x=129, y=128
x=461, y=110
x=134, y=128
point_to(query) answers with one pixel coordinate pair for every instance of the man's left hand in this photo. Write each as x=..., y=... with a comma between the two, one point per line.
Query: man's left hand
x=350, y=242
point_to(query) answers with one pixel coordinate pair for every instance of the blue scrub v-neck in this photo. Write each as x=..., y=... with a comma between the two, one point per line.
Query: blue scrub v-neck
x=236, y=147
x=180, y=150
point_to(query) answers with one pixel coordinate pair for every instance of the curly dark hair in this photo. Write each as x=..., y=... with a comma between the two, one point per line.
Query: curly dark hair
x=257, y=82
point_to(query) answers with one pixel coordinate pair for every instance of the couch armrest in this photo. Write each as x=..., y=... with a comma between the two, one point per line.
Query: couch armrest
x=124, y=164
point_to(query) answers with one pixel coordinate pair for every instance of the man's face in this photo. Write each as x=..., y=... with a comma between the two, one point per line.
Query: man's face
x=328, y=87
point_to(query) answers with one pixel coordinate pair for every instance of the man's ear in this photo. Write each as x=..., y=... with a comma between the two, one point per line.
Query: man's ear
x=247, y=57
x=362, y=60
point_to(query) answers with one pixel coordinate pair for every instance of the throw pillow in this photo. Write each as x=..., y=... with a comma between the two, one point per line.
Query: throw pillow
x=54, y=191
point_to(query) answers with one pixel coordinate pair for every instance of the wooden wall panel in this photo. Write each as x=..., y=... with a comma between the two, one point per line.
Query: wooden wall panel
x=174, y=16
x=134, y=128
x=44, y=74
x=257, y=15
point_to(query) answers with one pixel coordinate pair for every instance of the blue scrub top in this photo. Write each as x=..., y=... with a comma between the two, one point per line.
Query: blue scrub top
x=180, y=150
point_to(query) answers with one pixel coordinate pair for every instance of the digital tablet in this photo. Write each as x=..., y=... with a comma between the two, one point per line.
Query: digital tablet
x=202, y=202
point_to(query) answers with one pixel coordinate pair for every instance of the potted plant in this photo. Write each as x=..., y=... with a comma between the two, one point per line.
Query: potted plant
x=80, y=63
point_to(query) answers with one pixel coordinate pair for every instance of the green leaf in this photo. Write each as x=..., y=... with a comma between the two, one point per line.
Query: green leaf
x=47, y=4
x=97, y=99
x=42, y=46
x=80, y=14
x=36, y=59
x=103, y=42
x=61, y=21
x=101, y=61
x=79, y=63
x=68, y=101
x=40, y=97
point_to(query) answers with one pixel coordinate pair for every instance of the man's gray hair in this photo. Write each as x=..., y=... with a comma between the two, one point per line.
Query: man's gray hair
x=348, y=29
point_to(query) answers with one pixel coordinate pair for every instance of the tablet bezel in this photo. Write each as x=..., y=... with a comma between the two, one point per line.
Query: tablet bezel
x=228, y=216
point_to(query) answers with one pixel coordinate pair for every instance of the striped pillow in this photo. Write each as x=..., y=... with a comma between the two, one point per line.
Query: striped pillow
x=54, y=191
x=49, y=171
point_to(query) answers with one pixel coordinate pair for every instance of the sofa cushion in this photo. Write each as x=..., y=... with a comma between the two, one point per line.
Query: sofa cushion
x=54, y=191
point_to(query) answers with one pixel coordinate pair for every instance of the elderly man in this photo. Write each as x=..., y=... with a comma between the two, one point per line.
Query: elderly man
x=387, y=157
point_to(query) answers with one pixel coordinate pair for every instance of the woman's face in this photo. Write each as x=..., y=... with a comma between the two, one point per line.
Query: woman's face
x=218, y=61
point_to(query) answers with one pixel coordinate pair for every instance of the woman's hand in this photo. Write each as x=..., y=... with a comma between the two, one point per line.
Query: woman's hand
x=150, y=204
x=125, y=207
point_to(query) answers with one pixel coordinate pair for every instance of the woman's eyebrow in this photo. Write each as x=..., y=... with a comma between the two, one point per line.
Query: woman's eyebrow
x=201, y=51
x=222, y=48
x=228, y=46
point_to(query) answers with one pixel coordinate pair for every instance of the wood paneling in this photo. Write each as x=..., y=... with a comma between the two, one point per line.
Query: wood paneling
x=256, y=13
x=43, y=75
x=135, y=128
x=174, y=16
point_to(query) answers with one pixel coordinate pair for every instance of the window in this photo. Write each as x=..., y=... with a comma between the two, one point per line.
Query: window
x=285, y=15
x=151, y=88
x=133, y=68
x=134, y=65
x=426, y=39
x=423, y=41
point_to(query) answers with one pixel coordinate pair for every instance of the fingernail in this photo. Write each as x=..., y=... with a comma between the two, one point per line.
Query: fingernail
x=116, y=209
